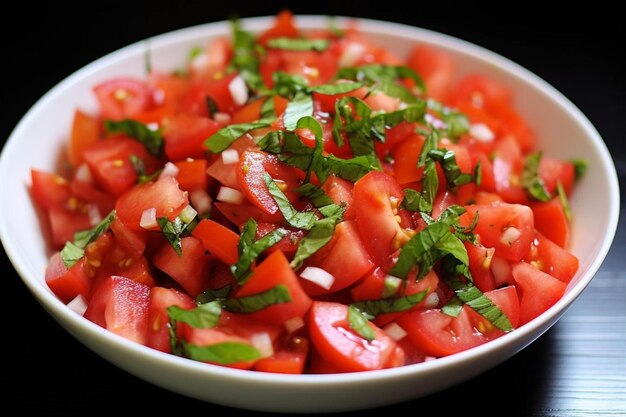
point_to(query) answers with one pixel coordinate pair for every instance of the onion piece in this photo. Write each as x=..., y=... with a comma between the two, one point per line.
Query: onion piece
x=394, y=331
x=94, y=214
x=78, y=304
x=294, y=324
x=169, y=170
x=188, y=214
x=83, y=174
x=432, y=301
x=510, y=235
x=263, y=343
x=148, y=219
x=318, y=276
x=201, y=201
x=238, y=90
x=352, y=54
x=230, y=156
x=481, y=132
x=223, y=118
x=230, y=195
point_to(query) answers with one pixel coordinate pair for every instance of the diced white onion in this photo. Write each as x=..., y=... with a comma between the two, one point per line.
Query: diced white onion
x=263, y=343
x=200, y=62
x=392, y=282
x=230, y=156
x=201, y=200
x=222, y=117
x=318, y=276
x=83, y=174
x=188, y=214
x=158, y=96
x=429, y=358
x=78, y=304
x=230, y=195
x=394, y=331
x=153, y=126
x=501, y=270
x=510, y=235
x=432, y=301
x=351, y=54
x=482, y=132
x=238, y=90
x=148, y=219
x=293, y=324
x=169, y=170
x=94, y=214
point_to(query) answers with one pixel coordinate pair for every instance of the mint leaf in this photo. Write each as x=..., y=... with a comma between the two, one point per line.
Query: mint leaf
x=317, y=196
x=453, y=174
x=152, y=140
x=374, y=308
x=531, y=181
x=72, y=252
x=320, y=234
x=249, y=249
x=257, y=302
x=227, y=135
x=360, y=324
x=301, y=106
x=298, y=44
x=564, y=202
x=205, y=316
x=222, y=353
x=301, y=220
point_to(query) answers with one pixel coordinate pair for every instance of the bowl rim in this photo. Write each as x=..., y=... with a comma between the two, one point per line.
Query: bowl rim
x=529, y=331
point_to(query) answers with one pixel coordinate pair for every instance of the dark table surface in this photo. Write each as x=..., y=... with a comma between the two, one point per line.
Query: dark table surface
x=578, y=368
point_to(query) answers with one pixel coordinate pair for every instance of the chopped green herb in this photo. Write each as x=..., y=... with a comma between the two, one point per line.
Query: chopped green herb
x=249, y=249
x=245, y=59
x=72, y=252
x=205, y=316
x=227, y=135
x=257, y=302
x=301, y=106
x=320, y=234
x=478, y=173
x=288, y=85
x=333, y=29
x=333, y=89
x=301, y=220
x=140, y=169
x=268, y=110
x=456, y=122
x=453, y=307
x=531, y=181
x=211, y=105
x=194, y=52
x=360, y=324
x=454, y=176
x=580, y=167
x=377, y=73
x=374, y=308
x=223, y=353
x=298, y=44
x=209, y=295
x=564, y=201
x=152, y=140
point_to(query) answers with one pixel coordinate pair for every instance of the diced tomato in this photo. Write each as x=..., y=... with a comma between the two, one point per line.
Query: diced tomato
x=341, y=346
x=436, y=69
x=160, y=299
x=507, y=301
x=283, y=27
x=513, y=124
x=214, y=88
x=552, y=259
x=218, y=240
x=340, y=191
x=238, y=214
x=132, y=241
x=67, y=283
x=479, y=263
x=49, y=190
x=215, y=336
x=552, y=171
x=282, y=362
x=185, y=136
x=131, y=265
x=64, y=224
x=539, y=291
x=88, y=193
x=406, y=154
x=163, y=195
x=288, y=244
x=85, y=131
x=123, y=98
x=192, y=175
x=189, y=269
x=482, y=91
x=120, y=305
x=273, y=271
x=226, y=174
x=550, y=220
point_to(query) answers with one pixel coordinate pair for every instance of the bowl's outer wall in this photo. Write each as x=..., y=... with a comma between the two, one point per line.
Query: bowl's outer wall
x=563, y=131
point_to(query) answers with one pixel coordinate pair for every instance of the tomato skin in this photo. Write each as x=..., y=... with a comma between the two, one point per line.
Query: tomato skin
x=87, y=192
x=507, y=301
x=160, y=299
x=120, y=305
x=539, y=291
x=406, y=154
x=282, y=362
x=192, y=175
x=188, y=269
x=372, y=199
x=552, y=259
x=67, y=283
x=163, y=195
x=493, y=220
x=550, y=220
x=479, y=262
x=483, y=91
x=123, y=98
x=131, y=241
x=49, y=189
x=85, y=131
x=340, y=191
x=216, y=88
x=185, y=135
x=343, y=348
x=218, y=240
x=344, y=257
x=283, y=27
x=436, y=69
x=275, y=270
x=226, y=174
x=64, y=224
x=239, y=214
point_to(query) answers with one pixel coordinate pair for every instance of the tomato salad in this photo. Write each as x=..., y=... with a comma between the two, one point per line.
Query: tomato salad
x=307, y=203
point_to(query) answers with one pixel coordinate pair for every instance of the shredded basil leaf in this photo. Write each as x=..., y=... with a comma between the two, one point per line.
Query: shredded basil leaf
x=301, y=106
x=456, y=123
x=140, y=169
x=333, y=29
x=227, y=135
x=209, y=295
x=333, y=89
x=531, y=181
x=194, y=52
x=249, y=249
x=478, y=173
x=320, y=234
x=383, y=121
x=223, y=353
x=288, y=85
x=211, y=106
x=301, y=220
x=374, y=308
x=298, y=44
x=453, y=174
x=360, y=324
x=173, y=231
x=257, y=302
x=205, y=316
x=152, y=140
x=72, y=252
x=453, y=307
x=317, y=196
x=580, y=167
x=564, y=201
x=377, y=73
x=245, y=59
x=268, y=109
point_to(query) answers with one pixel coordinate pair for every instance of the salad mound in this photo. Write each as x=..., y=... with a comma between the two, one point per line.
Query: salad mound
x=298, y=202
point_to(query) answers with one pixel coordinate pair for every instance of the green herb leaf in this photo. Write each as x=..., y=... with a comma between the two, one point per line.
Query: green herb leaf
x=268, y=109
x=249, y=249
x=222, y=353
x=355, y=114
x=320, y=234
x=245, y=59
x=173, y=231
x=383, y=121
x=301, y=106
x=531, y=180
x=374, y=308
x=298, y=44
x=288, y=85
x=453, y=307
x=564, y=201
x=301, y=220
x=360, y=324
x=72, y=252
x=377, y=73
x=257, y=302
x=152, y=140
x=140, y=169
x=205, y=316
x=456, y=123
x=209, y=295
x=333, y=89
x=317, y=196
x=447, y=159
x=211, y=105
x=194, y=52
x=580, y=167
x=478, y=173
x=227, y=135
x=333, y=29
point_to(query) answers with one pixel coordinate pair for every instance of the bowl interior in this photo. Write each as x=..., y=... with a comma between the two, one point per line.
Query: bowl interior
x=563, y=132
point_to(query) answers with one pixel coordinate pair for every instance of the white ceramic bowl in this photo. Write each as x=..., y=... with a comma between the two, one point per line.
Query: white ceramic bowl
x=563, y=131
